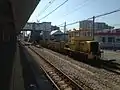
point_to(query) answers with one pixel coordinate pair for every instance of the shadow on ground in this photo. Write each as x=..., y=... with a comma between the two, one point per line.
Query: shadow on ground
x=7, y=50
x=33, y=74
x=29, y=78
x=109, y=65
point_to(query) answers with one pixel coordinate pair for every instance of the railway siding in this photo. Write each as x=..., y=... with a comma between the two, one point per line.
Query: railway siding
x=112, y=77
x=61, y=81
x=78, y=73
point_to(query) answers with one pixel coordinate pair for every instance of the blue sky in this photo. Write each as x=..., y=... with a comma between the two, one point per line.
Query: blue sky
x=88, y=9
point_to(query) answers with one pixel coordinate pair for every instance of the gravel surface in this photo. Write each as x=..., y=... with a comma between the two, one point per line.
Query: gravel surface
x=100, y=72
x=63, y=85
x=98, y=79
x=112, y=55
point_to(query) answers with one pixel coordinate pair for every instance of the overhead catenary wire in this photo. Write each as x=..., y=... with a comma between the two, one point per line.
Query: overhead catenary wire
x=107, y=13
x=69, y=24
x=72, y=23
x=60, y=25
x=104, y=14
x=54, y=9
x=117, y=10
x=77, y=8
x=46, y=7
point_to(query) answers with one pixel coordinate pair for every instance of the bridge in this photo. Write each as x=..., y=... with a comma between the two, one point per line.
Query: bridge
x=44, y=26
x=13, y=16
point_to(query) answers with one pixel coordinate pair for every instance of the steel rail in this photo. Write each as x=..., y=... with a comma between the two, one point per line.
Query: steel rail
x=75, y=85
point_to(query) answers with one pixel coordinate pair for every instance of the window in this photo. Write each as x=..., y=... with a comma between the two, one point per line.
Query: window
x=89, y=33
x=103, y=39
x=76, y=34
x=111, y=39
x=118, y=40
x=85, y=34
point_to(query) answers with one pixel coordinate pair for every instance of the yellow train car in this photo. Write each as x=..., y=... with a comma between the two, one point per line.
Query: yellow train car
x=82, y=45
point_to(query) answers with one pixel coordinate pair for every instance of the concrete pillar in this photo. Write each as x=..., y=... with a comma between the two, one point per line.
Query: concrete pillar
x=7, y=43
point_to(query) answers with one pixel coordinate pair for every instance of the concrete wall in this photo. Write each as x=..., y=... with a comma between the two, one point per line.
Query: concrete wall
x=107, y=44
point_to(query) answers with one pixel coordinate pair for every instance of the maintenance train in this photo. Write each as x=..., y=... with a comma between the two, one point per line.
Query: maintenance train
x=83, y=47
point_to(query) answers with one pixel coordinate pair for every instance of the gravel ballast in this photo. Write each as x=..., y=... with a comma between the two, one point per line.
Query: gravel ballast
x=95, y=78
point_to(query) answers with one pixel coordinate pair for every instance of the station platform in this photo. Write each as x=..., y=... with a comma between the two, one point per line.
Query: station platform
x=21, y=74
x=17, y=80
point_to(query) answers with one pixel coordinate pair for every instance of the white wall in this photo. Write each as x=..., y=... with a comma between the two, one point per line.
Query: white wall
x=107, y=44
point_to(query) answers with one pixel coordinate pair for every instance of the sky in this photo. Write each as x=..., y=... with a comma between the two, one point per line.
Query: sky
x=85, y=9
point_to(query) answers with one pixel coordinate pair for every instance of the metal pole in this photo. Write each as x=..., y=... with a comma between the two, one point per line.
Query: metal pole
x=79, y=25
x=93, y=31
x=64, y=30
x=33, y=27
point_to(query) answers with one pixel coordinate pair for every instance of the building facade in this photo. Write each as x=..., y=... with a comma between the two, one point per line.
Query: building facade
x=40, y=30
x=59, y=36
x=88, y=24
x=109, y=39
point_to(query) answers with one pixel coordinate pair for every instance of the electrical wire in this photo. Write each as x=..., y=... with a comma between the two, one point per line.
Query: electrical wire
x=47, y=6
x=60, y=25
x=72, y=23
x=104, y=14
x=54, y=9
x=107, y=13
x=78, y=8
x=96, y=16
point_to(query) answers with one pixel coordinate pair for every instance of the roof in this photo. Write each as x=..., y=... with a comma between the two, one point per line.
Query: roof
x=56, y=32
x=107, y=33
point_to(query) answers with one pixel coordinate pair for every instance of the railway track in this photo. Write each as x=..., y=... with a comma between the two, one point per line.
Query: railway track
x=60, y=80
x=99, y=80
